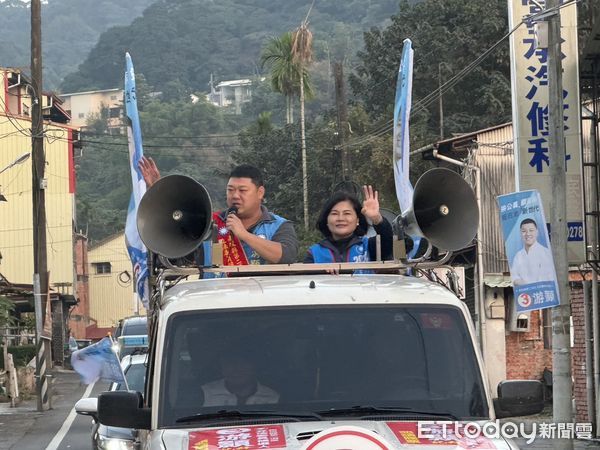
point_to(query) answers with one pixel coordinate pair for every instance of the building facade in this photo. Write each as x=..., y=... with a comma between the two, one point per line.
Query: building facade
x=111, y=283
x=231, y=94
x=515, y=346
x=16, y=233
x=83, y=106
x=16, y=206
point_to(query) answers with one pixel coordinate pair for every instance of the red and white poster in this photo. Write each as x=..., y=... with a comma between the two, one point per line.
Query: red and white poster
x=246, y=438
x=437, y=434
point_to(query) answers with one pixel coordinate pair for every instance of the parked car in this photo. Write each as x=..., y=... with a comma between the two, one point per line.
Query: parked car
x=131, y=336
x=106, y=437
x=131, y=326
x=83, y=343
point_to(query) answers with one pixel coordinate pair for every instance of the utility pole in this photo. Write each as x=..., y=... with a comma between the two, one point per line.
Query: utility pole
x=40, y=276
x=561, y=349
x=441, y=101
x=342, y=116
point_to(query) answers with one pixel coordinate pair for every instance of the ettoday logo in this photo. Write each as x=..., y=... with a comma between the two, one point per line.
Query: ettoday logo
x=474, y=432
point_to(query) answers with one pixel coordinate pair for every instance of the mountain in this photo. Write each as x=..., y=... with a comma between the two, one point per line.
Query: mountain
x=70, y=28
x=188, y=40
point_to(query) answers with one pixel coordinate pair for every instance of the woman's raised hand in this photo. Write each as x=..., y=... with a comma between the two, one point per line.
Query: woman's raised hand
x=370, y=207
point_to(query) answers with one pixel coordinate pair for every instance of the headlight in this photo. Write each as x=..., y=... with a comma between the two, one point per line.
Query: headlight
x=105, y=443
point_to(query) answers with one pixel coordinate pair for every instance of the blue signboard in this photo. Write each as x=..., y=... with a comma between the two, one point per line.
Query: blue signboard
x=528, y=251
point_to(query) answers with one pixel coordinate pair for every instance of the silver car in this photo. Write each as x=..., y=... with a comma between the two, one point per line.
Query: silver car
x=116, y=438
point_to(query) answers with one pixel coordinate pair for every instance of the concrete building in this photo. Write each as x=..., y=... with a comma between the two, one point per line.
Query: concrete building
x=85, y=105
x=231, y=94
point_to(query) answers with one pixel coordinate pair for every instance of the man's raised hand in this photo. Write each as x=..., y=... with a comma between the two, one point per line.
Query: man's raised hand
x=149, y=171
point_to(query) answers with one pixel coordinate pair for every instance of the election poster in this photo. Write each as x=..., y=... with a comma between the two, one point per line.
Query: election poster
x=528, y=251
x=245, y=438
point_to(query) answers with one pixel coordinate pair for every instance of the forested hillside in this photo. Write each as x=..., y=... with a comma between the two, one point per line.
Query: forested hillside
x=203, y=141
x=70, y=28
x=187, y=40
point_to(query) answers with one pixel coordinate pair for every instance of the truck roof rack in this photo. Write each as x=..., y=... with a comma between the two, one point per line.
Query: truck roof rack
x=300, y=268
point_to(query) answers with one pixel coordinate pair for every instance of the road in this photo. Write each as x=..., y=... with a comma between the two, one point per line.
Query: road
x=24, y=428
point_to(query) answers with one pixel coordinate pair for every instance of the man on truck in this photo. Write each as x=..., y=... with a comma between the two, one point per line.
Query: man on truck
x=250, y=234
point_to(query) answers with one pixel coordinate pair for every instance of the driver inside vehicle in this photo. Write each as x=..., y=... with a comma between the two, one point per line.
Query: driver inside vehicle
x=239, y=385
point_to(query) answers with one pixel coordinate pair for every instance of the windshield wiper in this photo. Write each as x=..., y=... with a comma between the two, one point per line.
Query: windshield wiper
x=237, y=414
x=368, y=410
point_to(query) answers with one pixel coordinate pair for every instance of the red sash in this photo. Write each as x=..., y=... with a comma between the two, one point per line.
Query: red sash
x=233, y=252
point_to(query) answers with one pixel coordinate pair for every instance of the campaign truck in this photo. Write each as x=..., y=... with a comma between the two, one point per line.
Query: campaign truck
x=293, y=357
x=276, y=361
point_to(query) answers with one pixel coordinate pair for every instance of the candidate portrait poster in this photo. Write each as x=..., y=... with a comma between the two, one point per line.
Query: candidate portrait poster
x=528, y=250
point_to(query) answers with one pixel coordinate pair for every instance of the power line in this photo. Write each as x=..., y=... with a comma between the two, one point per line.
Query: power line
x=434, y=95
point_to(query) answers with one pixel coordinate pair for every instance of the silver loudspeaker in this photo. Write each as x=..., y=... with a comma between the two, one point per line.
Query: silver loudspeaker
x=444, y=210
x=174, y=216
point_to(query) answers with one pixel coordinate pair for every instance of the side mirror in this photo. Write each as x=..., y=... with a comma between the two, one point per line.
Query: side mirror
x=519, y=398
x=123, y=409
x=87, y=407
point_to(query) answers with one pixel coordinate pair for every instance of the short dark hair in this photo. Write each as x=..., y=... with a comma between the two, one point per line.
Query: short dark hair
x=248, y=171
x=526, y=221
x=337, y=197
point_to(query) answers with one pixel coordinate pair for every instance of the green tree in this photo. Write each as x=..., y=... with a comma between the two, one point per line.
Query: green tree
x=6, y=309
x=452, y=32
x=285, y=73
x=302, y=56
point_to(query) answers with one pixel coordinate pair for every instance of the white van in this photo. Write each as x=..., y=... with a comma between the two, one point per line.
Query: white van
x=314, y=362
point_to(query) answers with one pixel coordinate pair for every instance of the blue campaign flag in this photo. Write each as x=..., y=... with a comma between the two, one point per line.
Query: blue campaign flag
x=98, y=362
x=528, y=251
x=401, y=145
x=135, y=247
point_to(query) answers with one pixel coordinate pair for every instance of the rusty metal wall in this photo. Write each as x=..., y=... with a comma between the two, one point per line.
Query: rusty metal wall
x=495, y=158
x=16, y=230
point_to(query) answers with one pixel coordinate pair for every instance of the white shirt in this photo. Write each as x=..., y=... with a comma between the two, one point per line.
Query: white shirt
x=533, y=265
x=216, y=394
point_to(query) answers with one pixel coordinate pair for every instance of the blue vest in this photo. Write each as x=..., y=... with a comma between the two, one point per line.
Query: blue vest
x=266, y=229
x=358, y=252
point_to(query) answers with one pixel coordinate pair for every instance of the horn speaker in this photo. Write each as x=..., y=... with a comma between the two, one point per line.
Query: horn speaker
x=174, y=216
x=444, y=210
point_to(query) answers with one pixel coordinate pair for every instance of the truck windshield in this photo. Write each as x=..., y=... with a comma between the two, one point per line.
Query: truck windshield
x=413, y=358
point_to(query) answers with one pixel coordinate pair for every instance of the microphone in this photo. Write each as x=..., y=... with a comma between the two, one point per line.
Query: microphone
x=231, y=210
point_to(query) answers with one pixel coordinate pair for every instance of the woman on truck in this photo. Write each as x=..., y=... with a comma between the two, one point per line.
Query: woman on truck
x=343, y=223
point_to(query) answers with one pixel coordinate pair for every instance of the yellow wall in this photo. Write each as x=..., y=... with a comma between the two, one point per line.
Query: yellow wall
x=111, y=295
x=16, y=229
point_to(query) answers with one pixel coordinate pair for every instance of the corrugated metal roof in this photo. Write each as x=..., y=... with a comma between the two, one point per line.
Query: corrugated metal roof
x=496, y=280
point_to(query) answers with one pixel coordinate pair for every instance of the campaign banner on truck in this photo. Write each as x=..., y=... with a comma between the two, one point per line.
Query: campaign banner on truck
x=135, y=247
x=527, y=245
x=401, y=142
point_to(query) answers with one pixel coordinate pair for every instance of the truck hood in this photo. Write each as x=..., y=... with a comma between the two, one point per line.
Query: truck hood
x=325, y=435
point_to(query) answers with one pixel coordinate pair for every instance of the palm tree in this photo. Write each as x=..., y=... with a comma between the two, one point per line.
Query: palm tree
x=285, y=73
x=302, y=55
